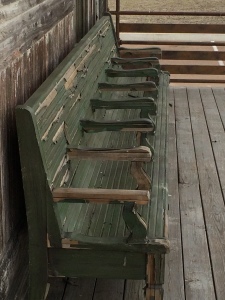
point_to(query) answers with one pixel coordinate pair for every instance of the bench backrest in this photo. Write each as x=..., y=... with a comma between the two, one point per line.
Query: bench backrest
x=49, y=120
x=64, y=98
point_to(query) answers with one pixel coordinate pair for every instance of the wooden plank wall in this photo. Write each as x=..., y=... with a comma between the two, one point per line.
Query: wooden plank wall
x=35, y=35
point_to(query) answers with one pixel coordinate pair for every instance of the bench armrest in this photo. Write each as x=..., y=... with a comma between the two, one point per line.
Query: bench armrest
x=114, y=196
x=141, y=153
x=148, y=86
x=144, y=103
x=129, y=199
x=145, y=62
x=126, y=60
x=136, y=156
x=139, y=125
x=147, y=72
x=141, y=52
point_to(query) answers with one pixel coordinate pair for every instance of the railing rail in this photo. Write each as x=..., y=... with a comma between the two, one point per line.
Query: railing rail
x=168, y=13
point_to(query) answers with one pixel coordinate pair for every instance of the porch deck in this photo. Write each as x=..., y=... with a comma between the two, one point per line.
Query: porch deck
x=195, y=267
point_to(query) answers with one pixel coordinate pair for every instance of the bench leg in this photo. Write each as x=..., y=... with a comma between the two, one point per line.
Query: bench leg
x=154, y=293
x=154, y=271
x=38, y=274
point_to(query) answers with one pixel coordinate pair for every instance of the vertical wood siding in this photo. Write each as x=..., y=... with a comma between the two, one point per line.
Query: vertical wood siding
x=35, y=35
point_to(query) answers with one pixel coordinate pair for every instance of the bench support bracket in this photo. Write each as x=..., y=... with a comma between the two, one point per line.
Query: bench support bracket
x=134, y=223
x=143, y=180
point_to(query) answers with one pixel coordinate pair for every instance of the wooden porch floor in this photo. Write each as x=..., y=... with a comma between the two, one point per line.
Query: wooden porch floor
x=195, y=267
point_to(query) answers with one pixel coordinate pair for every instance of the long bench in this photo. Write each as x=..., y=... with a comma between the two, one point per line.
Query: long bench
x=93, y=144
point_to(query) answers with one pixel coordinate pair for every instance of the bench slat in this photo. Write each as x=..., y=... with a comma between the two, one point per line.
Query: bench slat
x=140, y=52
x=158, y=183
x=133, y=154
x=101, y=195
x=145, y=62
x=144, y=86
x=136, y=103
x=163, y=192
x=151, y=72
x=142, y=125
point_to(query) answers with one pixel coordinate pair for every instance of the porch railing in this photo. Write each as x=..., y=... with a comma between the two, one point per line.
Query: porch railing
x=191, y=52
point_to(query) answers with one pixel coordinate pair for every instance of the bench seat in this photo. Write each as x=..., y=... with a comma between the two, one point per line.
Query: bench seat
x=116, y=175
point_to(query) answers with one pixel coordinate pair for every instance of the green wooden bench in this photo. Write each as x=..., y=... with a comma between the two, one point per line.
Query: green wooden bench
x=92, y=145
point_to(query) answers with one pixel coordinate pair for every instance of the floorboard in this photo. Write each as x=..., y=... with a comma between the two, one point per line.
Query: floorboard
x=57, y=288
x=174, y=285
x=219, y=95
x=212, y=198
x=134, y=290
x=216, y=132
x=109, y=289
x=82, y=289
x=195, y=267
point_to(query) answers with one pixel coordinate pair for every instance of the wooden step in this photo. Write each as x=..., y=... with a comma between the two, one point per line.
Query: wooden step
x=179, y=47
x=186, y=52
x=172, y=28
x=197, y=85
x=144, y=40
x=192, y=64
x=204, y=53
x=193, y=67
x=193, y=78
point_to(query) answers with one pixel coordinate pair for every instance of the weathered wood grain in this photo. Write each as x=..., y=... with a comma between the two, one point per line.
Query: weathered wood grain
x=101, y=195
x=28, y=27
x=76, y=288
x=134, y=290
x=142, y=125
x=57, y=288
x=147, y=60
x=152, y=72
x=144, y=86
x=2, y=151
x=174, y=284
x=142, y=178
x=216, y=132
x=197, y=267
x=219, y=95
x=141, y=153
x=13, y=8
x=193, y=67
x=168, y=28
x=10, y=174
x=212, y=198
x=140, y=52
x=14, y=262
x=147, y=104
x=18, y=81
x=104, y=286
x=35, y=36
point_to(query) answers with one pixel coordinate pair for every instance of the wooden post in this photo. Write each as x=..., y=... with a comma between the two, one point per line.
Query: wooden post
x=79, y=20
x=154, y=290
x=106, y=6
x=118, y=20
